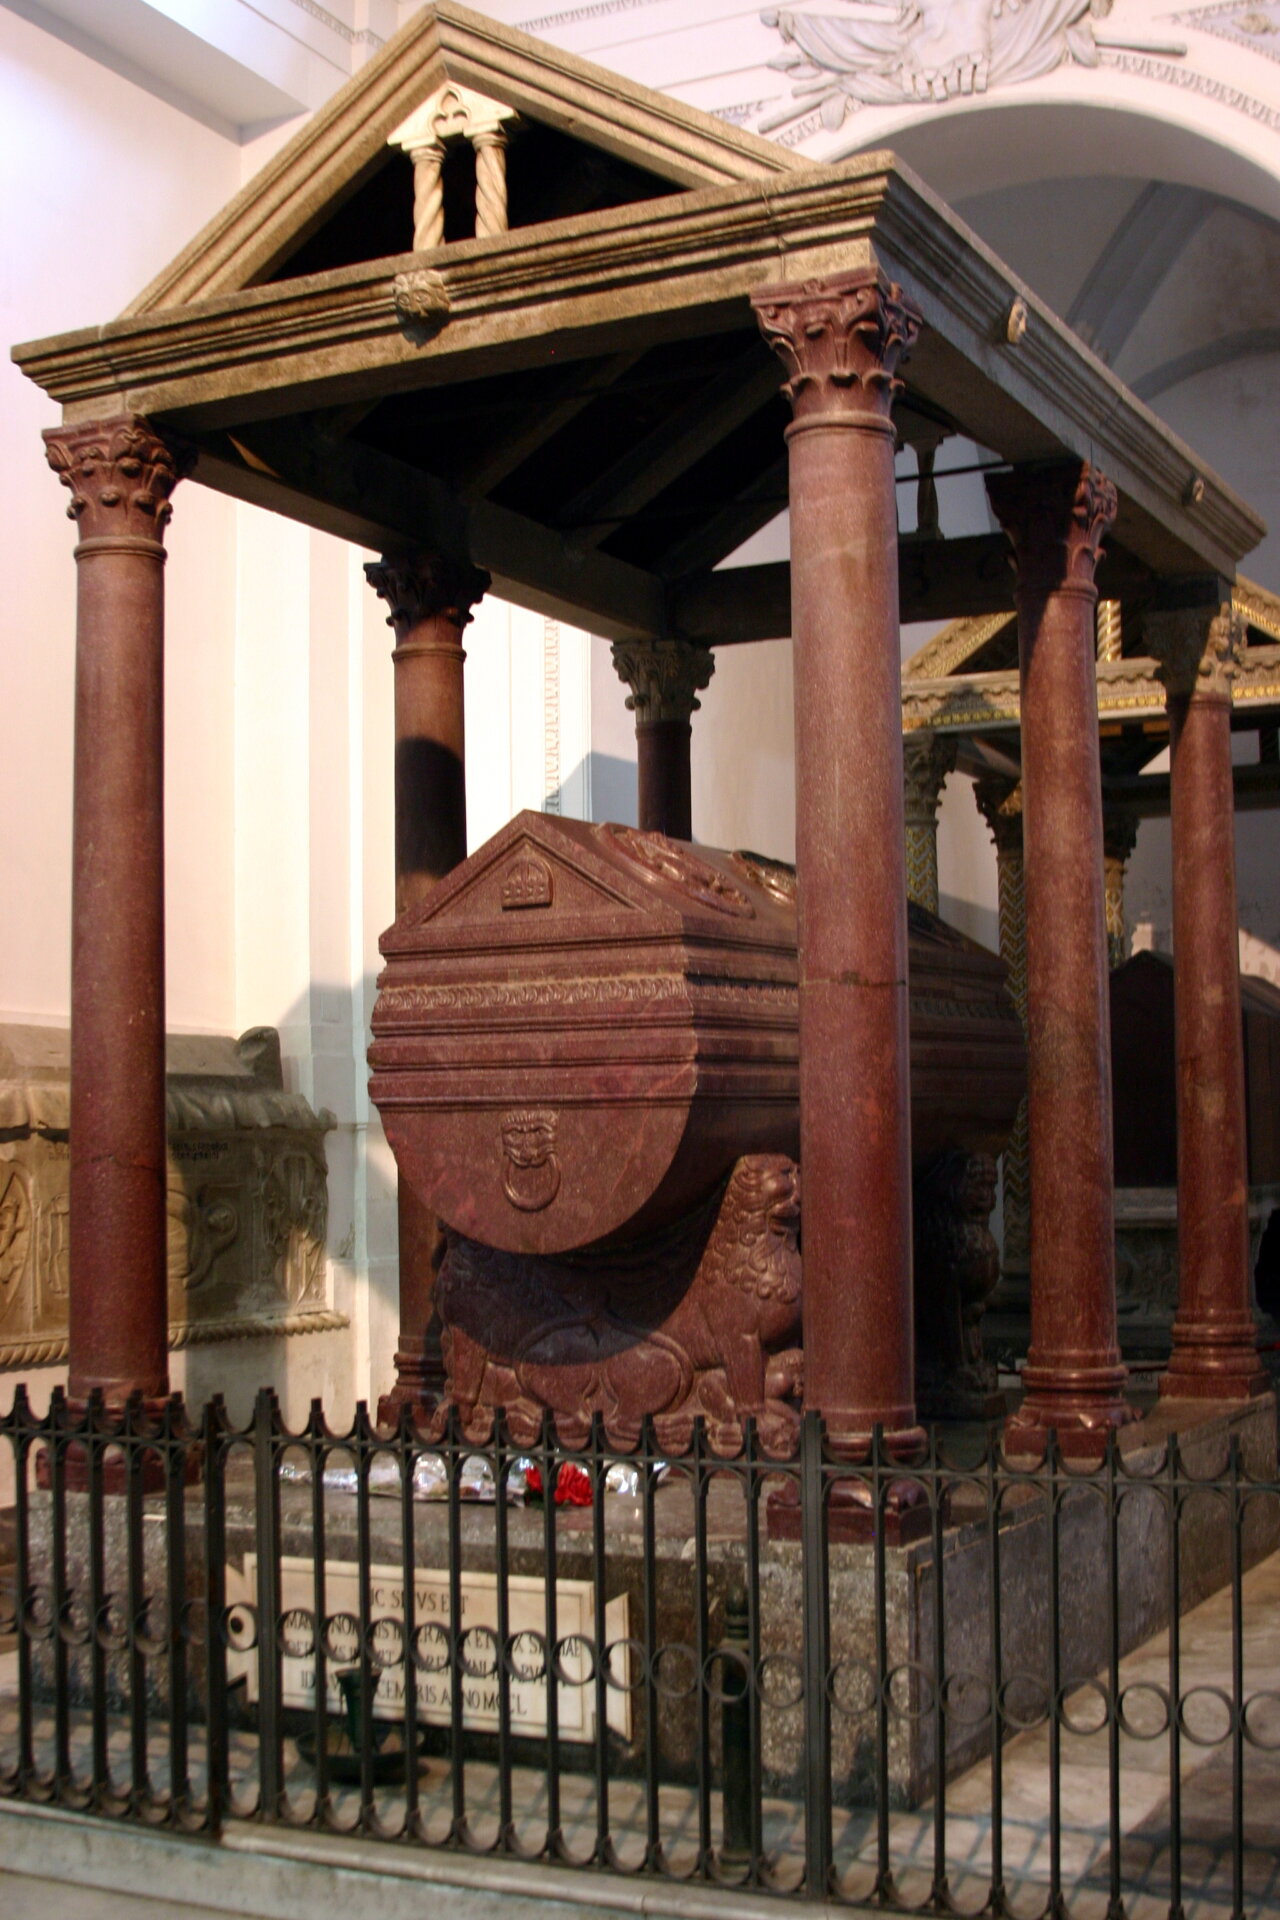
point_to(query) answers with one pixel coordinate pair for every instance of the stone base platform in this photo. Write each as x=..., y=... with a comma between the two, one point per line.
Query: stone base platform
x=1137, y=1570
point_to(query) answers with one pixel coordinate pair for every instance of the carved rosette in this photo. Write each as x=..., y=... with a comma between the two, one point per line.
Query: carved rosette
x=841, y=340
x=120, y=473
x=1055, y=518
x=665, y=678
x=431, y=589
x=1197, y=650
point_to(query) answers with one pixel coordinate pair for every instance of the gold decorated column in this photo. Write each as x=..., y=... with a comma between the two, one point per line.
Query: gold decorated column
x=927, y=760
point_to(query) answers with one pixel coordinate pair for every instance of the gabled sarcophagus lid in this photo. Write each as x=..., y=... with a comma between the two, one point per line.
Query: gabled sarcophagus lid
x=583, y=1027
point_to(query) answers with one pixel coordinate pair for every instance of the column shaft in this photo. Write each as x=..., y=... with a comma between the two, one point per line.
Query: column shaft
x=841, y=341
x=665, y=777
x=1073, y=1378
x=1215, y=1352
x=120, y=474
x=430, y=604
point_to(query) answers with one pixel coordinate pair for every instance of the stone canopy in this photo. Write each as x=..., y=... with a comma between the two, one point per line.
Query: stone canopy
x=581, y=402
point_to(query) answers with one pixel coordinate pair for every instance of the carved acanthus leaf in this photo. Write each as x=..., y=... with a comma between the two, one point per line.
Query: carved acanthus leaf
x=427, y=589
x=665, y=677
x=927, y=760
x=840, y=340
x=120, y=474
x=1055, y=518
x=1197, y=649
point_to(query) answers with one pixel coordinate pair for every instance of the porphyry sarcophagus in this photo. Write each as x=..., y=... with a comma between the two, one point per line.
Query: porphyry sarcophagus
x=584, y=1028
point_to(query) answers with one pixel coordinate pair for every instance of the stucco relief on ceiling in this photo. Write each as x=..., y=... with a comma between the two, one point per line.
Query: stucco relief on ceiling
x=900, y=52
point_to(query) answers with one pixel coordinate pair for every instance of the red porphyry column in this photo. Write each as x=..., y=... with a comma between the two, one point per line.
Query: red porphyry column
x=430, y=601
x=665, y=678
x=1215, y=1340
x=120, y=473
x=1055, y=518
x=840, y=340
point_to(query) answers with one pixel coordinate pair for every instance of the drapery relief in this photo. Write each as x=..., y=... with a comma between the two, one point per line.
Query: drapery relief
x=896, y=52
x=247, y=1194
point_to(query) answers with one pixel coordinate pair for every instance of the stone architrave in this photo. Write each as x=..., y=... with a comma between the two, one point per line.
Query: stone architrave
x=927, y=760
x=1215, y=1342
x=430, y=603
x=1055, y=518
x=999, y=801
x=665, y=678
x=840, y=341
x=1119, y=838
x=120, y=473
x=456, y=113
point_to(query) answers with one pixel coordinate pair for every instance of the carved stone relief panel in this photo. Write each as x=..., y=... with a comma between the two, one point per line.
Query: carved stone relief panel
x=247, y=1200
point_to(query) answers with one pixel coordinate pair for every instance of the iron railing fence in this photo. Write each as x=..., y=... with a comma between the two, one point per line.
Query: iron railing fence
x=964, y=1683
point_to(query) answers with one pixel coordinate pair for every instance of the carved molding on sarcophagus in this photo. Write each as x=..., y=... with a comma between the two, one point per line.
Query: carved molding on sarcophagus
x=248, y=1197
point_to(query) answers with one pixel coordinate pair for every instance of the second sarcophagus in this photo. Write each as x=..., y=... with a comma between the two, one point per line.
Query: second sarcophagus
x=585, y=1028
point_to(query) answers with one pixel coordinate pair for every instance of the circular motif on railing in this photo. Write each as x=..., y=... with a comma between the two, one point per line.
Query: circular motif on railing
x=193, y=1623
x=385, y=1642
x=37, y=1614
x=296, y=1633
x=675, y=1670
x=1023, y=1701
x=966, y=1695
x=851, y=1687
x=8, y=1610
x=898, y=1690
x=342, y=1638
x=238, y=1628
x=780, y=1681
x=1262, y=1721
x=110, y=1628
x=430, y=1647
x=772, y=876
x=479, y=1652
x=1206, y=1716
x=151, y=1627
x=75, y=1629
x=1084, y=1707
x=1143, y=1710
x=633, y=1661
x=525, y=1655
x=673, y=865
x=573, y=1660
x=735, y=1675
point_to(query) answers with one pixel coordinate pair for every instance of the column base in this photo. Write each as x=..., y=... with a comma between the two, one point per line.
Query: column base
x=417, y=1388
x=851, y=1514
x=1215, y=1362
x=1081, y=1405
x=115, y=1473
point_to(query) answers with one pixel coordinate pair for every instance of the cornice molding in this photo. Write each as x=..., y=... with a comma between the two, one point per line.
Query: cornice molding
x=1130, y=688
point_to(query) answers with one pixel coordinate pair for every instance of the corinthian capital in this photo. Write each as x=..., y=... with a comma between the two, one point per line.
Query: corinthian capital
x=1055, y=518
x=1197, y=649
x=665, y=677
x=427, y=589
x=120, y=473
x=927, y=759
x=999, y=801
x=840, y=340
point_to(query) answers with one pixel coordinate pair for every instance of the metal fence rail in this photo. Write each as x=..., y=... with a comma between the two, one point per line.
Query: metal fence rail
x=963, y=1683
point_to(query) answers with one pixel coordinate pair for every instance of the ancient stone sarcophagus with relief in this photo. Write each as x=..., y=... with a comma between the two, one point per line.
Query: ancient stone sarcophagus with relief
x=247, y=1194
x=585, y=1057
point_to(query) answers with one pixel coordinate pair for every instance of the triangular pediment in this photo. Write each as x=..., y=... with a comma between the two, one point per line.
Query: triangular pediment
x=536, y=873
x=582, y=138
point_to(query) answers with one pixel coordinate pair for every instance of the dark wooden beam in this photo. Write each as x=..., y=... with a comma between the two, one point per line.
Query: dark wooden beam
x=640, y=474
x=727, y=528
x=384, y=504
x=937, y=580
x=582, y=384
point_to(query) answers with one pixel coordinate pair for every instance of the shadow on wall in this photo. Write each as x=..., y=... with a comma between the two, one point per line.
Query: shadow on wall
x=609, y=786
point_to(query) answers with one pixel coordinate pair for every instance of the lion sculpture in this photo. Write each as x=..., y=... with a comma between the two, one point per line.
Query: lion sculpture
x=700, y=1320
